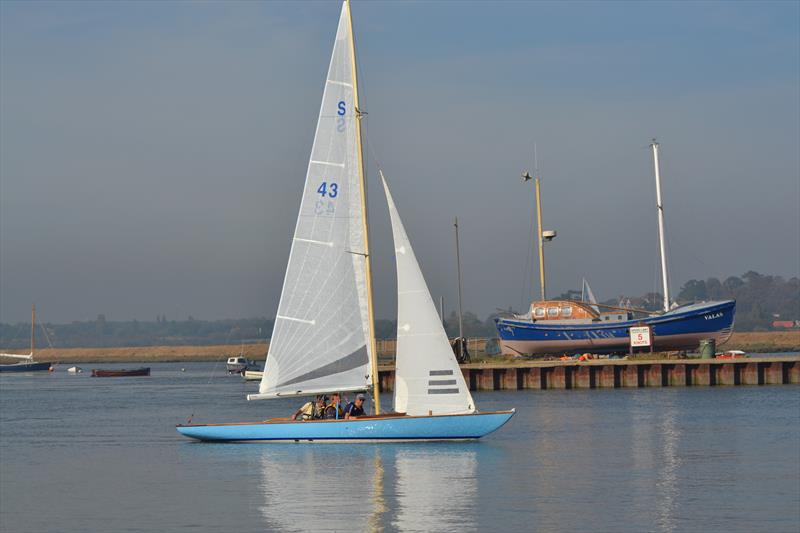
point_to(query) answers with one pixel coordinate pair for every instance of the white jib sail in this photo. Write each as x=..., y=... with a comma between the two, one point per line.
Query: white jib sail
x=320, y=341
x=427, y=375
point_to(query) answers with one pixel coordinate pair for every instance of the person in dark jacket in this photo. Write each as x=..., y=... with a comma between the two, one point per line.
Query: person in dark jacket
x=355, y=408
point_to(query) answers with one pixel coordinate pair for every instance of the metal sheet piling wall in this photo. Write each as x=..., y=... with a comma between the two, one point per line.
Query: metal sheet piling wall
x=619, y=373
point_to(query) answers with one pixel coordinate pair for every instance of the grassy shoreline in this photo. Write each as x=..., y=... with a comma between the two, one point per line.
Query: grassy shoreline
x=750, y=342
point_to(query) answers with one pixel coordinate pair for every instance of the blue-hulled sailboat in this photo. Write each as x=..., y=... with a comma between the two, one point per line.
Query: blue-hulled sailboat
x=323, y=340
x=27, y=364
x=565, y=326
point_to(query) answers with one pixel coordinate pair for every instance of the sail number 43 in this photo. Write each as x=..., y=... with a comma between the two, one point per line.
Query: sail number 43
x=331, y=190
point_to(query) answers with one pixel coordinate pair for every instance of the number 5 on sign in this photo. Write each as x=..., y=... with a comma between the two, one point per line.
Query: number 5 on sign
x=640, y=336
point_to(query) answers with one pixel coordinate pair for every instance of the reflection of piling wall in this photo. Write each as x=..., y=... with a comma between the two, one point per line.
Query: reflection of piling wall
x=614, y=374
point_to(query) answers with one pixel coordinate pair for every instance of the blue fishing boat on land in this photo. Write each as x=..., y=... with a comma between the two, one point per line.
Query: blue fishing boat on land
x=27, y=364
x=567, y=326
x=681, y=328
x=323, y=340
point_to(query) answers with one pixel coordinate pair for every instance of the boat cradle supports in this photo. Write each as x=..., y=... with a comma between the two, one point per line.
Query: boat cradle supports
x=615, y=374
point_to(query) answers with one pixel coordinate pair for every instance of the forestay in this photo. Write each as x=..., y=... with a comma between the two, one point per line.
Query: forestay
x=320, y=341
x=427, y=376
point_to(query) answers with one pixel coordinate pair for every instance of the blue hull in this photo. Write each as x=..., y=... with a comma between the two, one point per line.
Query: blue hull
x=390, y=428
x=679, y=329
x=25, y=367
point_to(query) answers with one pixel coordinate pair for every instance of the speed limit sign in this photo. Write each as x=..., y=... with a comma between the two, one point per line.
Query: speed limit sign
x=640, y=336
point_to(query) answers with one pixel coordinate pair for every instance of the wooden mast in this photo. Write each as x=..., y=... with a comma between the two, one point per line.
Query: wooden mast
x=33, y=328
x=539, y=234
x=373, y=356
x=460, y=311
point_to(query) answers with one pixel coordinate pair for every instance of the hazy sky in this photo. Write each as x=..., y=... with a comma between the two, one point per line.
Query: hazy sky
x=152, y=154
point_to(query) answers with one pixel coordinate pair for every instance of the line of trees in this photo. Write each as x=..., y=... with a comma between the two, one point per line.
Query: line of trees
x=760, y=301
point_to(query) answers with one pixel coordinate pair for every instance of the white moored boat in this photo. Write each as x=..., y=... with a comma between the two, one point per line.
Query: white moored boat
x=252, y=375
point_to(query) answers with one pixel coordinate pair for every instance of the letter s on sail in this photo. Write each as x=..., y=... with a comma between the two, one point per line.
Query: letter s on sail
x=342, y=110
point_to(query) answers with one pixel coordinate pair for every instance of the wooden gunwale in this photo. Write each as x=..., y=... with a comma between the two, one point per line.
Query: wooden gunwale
x=382, y=416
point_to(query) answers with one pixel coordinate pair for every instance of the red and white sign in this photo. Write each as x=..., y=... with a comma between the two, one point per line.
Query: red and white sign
x=640, y=336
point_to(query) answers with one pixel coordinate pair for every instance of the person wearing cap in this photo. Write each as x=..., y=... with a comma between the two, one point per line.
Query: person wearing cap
x=311, y=410
x=356, y=408
x=334, y=409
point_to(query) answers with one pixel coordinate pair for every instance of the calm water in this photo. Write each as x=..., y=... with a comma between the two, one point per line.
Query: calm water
x=88, y=454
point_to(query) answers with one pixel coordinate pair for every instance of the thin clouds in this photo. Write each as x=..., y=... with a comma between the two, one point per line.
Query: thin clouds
x=152, y=154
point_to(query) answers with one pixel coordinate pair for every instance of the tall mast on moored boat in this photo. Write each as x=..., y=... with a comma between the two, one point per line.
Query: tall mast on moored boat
x=661, y=244
x=33, y=328
x=539, y=232
x=541, y=235
x=460, y=311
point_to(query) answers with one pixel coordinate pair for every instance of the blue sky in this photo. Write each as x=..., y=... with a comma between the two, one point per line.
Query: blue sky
x=152, y=153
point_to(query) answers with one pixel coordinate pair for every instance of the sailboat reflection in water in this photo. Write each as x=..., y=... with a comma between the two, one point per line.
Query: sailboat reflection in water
x=388, y=487
x=323, y=340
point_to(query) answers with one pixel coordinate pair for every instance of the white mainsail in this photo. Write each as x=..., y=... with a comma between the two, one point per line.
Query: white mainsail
x=18, y=355
x=322, y=338
x=427, y=376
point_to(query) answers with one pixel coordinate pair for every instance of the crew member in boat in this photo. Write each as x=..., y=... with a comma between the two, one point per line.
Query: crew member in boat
x=355, y=408
x=311, y=410
x=334, y=410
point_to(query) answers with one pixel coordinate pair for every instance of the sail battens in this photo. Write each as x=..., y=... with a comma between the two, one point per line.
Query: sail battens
x=342, y=83
x=312, y=241
x=323, y=310
x=328, y=163
x=293, y=319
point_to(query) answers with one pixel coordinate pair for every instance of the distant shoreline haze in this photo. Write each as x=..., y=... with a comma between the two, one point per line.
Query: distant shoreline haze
x=761, y=300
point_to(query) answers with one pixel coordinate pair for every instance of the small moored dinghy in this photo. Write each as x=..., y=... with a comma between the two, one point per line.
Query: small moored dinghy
x=323, y=340
x=253, y=375
x=119, y=373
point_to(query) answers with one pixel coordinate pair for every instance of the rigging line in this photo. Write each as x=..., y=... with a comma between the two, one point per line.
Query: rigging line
x=527, y=272
x=688, y=250
x=46, y=336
